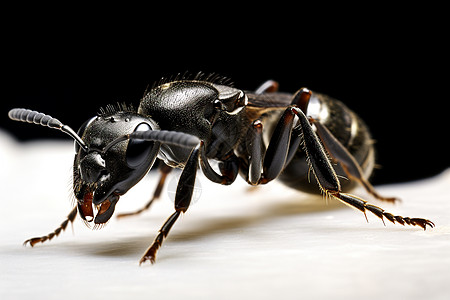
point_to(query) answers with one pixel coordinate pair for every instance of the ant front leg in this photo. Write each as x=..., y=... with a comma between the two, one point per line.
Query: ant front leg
x=183, y=196
x=70, y=218
x=329, y=183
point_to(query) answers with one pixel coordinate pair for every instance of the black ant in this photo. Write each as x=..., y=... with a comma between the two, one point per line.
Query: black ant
x=307, y=140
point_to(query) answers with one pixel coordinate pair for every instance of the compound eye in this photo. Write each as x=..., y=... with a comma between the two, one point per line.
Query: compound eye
x=81, y=131
x=138, y=150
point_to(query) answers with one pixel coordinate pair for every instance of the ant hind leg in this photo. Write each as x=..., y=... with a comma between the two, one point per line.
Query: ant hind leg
x=350, y=166
x=329, y=183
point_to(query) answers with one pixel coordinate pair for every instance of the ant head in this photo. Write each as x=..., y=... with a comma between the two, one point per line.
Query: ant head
x=113, y=151
x=111, y=163
x=107, y=162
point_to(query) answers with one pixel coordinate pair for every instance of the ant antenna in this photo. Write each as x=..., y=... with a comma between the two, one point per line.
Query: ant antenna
x=31, y=116
x=163, y=136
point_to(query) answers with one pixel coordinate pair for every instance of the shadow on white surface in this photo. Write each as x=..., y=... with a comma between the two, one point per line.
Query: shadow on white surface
x=234, y=242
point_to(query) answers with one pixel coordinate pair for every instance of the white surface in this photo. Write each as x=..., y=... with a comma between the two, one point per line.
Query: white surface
x=233, y=243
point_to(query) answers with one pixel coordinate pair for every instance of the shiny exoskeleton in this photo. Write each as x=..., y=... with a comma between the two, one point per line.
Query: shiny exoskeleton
x=307, y=140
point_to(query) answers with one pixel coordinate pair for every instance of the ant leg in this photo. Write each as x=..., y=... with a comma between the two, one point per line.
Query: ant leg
x=277, y=150
x=183, y=196
x=363, y=205
x=329, y=183
x=270, y=86
x=347, y=161
x=337, y=151
x=70, y=218
x=164, y=170
x=256, y=146
x=266, y=165
x=229, y=168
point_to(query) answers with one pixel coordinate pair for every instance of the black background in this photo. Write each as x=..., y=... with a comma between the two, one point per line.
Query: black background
x=393, y=73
